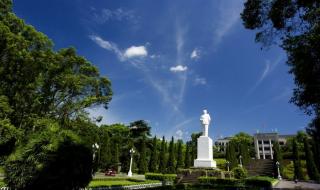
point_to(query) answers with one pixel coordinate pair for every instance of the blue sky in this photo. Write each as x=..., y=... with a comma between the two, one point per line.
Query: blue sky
x=168, y=60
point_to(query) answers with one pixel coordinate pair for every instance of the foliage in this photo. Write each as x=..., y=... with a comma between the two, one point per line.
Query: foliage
x=154, y=156
x=187, y=158
x=312, y=170
x=171, y=159
x=277, y=157
x=54, y=158
x=9, y=136
x=296, y=161
x=260, y=181
x=160, y=176
x=118, y=182
x=295, y=26
x=244, y=153
x=162, y=157
x=219, y=182
x=179, y=156
x=143, y=159
x=231, y=155
x=239, y=172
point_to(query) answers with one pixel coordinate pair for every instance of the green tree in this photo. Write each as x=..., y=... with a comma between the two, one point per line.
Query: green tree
x=277, y=157
x=194, y=139
x=154, y=156
x=294, y=25
x=296, y=161
x=231, y=155
x=179, y=155
x=162, y=157
x=54, y=158
x=244, y=152
x=312, y=170
x=171, y=159
x=187, y=158
x=143, y=158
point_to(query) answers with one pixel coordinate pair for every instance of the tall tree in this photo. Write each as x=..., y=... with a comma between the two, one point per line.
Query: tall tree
x=296, y=161
x=187, y=158
x=163, y=157
x=294, y=25
x=179, y=155
x=154, y=156
x=231, y=155
x=312, y=170
x=244, y=152
x=143, y=158
x=171, y=159
x=277, y=157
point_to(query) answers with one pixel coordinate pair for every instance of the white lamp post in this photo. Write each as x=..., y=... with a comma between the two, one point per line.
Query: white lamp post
x=131, y=154
x=240, y=158
x=278, y=167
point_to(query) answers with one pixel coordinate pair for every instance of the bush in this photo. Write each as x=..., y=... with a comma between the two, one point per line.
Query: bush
x=260, y=181
x=239, y=172
x=218, y=182
x=55, y=159
x=160, y=177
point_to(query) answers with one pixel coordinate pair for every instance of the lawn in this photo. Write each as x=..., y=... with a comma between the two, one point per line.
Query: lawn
x=119, y=182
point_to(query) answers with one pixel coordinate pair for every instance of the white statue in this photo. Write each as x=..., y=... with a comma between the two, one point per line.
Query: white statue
x=205, y=121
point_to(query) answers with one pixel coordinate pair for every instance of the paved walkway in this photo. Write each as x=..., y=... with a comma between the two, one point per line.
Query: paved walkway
x=283, y=184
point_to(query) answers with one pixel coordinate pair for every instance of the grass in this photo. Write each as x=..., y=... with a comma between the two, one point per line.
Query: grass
x=119, y=182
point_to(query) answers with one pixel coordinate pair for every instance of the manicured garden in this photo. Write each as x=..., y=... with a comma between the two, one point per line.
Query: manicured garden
x=112, y=182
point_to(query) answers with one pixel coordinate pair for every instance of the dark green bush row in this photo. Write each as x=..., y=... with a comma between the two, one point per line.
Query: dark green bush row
x=221, y=182
x=261, y=182
x=118, y=179
x=161, y=177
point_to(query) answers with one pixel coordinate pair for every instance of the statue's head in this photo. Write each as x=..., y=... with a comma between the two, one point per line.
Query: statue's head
x=205, y=111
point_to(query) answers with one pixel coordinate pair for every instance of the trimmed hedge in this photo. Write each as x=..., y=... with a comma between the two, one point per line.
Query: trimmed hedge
x=118, y=179
x=218, y=182
x=259, y=181
x=160, y=176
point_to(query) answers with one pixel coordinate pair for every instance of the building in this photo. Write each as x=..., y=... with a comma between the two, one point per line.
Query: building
x=263, y=143
x=222, y=143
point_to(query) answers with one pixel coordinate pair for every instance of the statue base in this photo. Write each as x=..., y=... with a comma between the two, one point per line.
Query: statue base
x=204, y=153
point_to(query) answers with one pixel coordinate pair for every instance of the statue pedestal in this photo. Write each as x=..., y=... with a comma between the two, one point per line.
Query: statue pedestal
x=204, y=153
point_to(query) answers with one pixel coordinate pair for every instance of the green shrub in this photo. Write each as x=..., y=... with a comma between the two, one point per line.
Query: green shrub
x=160, y=177
x=218, y=182
x=239, y=172
x=259, y=181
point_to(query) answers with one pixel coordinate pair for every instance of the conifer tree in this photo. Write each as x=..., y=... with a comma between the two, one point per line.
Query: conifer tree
x=179, y=155
x=296, y=161
x=162, y=156
x=154, y=156
x=312, y=170
x=277, y=157
x=171, y=160
x=244, y=152
x=143, y=158
x=231, y=155
x=187, y=156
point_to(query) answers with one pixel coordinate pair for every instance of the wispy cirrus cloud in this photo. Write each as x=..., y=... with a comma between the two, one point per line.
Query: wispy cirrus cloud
x=268, y=68
x=195, y=54
x=123, y=55
x=120, y=14
x=229, y=15
x=199, y=81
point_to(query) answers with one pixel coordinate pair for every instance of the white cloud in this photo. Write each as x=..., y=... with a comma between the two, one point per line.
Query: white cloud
x=178, y=68
x=195, y=54
x=179, y=134
x=229, y=15
x=129, y=53
x=200, y=81
x=119, y=14
x=136, y=51
x=107, y=45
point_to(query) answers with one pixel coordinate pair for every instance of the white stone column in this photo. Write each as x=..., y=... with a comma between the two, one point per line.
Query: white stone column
x=257, y=149
x=263, y=153
x=271, y=152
